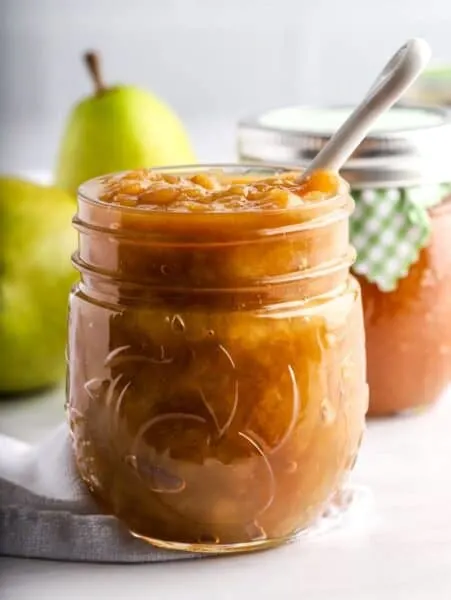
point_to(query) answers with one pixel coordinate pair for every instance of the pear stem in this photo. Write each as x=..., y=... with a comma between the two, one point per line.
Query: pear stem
x=92, y=61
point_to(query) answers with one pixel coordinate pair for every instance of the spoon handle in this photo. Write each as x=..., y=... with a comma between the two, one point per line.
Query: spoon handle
x=399, y=73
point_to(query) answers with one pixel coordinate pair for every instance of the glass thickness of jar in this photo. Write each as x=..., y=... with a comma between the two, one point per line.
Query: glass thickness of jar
x=216, y=373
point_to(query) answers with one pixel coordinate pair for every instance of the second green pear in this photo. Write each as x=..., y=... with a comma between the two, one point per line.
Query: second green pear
x=119, y=128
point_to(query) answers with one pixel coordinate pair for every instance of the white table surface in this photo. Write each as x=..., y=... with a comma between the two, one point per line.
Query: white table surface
x=398, y=547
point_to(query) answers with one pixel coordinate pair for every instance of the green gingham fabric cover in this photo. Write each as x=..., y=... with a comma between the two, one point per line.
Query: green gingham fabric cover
x=388, y=229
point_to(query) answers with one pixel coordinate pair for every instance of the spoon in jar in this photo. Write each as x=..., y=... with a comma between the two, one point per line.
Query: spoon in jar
x=399, y=74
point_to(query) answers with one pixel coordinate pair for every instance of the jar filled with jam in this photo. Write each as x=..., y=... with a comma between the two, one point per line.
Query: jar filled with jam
x=400, y=180
x=216, y=380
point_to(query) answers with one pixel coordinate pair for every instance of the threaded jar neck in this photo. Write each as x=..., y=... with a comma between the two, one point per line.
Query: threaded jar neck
x=302, y=252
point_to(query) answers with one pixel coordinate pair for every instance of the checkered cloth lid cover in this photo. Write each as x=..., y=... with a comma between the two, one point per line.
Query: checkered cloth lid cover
x=388, y=229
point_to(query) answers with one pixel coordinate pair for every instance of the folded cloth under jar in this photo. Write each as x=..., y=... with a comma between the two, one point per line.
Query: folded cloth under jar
x=47, y=512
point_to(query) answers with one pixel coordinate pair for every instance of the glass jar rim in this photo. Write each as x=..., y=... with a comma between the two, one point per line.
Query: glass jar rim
x=270, y=169
x=204, y=234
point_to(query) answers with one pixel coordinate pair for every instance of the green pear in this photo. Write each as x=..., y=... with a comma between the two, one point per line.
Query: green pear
x=119, y=128
x=36, y=275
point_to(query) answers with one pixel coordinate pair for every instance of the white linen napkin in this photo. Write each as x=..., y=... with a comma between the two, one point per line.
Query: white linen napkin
x=47, y=512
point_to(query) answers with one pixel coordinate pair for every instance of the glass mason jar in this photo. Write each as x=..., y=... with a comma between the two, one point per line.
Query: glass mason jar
x=400, y=180
x=216, y=381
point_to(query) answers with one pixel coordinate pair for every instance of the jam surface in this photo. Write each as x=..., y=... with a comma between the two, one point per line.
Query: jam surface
x=217, y=386
x=215, y=191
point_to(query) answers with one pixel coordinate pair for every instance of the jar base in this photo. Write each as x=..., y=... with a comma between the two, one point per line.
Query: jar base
x=412, y=411
x=345, y=503
x=205, y=548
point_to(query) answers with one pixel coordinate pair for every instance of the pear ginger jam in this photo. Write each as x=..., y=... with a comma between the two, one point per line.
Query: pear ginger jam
x=216, y=381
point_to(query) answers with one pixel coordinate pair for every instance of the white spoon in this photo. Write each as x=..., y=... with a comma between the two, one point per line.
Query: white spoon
x=399, y=73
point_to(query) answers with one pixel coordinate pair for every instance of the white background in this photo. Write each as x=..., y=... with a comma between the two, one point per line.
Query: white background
x=214, y=61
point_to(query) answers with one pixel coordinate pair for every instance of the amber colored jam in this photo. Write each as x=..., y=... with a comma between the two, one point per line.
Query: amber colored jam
x=408, y=331
x=217, y=387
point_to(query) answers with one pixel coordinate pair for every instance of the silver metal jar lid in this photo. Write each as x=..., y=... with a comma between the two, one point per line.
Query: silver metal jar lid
x=411, y=145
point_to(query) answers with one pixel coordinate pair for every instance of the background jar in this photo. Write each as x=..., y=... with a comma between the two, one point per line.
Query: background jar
x=217, y=386
x=399, y=178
